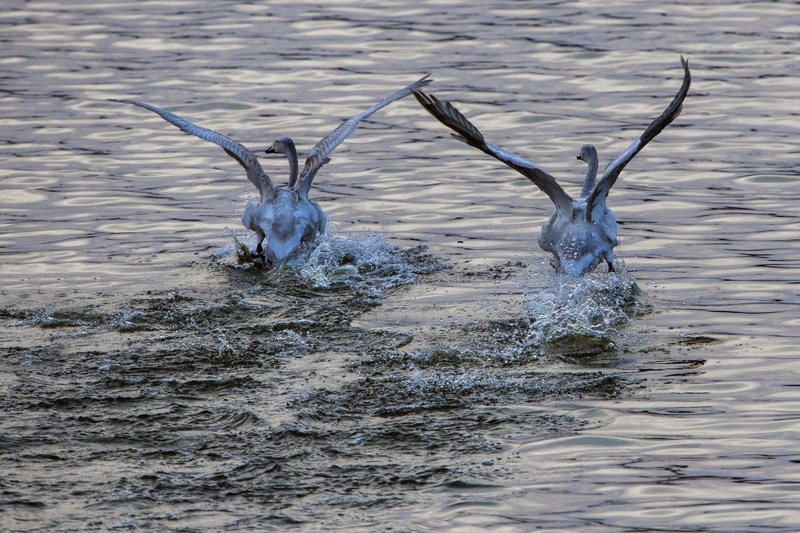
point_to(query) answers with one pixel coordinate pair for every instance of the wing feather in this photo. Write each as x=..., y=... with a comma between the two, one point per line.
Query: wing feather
x=240, y=153
x=613, y=170
x=318, y=155
x=466, y=132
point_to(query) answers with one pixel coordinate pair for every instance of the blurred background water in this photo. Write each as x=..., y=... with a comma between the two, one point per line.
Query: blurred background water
x=422, y=368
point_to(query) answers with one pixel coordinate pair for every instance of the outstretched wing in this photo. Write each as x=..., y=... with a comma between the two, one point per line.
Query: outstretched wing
x=245, y=157
x=318, y=155
x=467, y=133
x=613, y=170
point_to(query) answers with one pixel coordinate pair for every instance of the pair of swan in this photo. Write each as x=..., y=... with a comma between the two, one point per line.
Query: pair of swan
x=580, y=234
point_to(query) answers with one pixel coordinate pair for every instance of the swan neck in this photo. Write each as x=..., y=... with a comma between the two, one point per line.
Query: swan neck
x=291, y=155
x=591, y=176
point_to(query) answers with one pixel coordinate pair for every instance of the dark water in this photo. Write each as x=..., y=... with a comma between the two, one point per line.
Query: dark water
x=421, y=368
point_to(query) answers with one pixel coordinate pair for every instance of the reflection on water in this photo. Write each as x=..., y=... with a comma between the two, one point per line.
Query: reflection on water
x=152, y=381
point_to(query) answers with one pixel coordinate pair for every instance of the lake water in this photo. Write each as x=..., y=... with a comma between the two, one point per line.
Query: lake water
x=422, y=368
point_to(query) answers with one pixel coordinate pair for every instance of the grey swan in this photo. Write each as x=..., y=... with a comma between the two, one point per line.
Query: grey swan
x=582, y=232
x=284, y=217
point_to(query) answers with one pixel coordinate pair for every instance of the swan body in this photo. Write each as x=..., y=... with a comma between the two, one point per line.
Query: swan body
x=283, y=217
x=285, y=223
x=582, y=232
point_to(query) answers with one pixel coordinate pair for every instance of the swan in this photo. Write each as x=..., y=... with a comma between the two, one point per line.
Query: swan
x=582, y=232
x=284, y=217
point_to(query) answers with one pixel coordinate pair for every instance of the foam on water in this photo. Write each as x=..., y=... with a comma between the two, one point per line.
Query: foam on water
x=596, y=305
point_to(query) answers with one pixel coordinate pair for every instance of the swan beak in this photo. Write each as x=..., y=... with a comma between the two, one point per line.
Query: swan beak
x=271, y=149
x=578, y=157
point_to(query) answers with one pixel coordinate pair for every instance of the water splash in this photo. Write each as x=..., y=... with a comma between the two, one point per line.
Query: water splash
x=368, y=259
x=594, y=306
x=366, y=262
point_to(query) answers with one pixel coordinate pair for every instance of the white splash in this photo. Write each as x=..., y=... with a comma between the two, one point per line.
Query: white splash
x=597, y=305
x=361, y=259
x=366, y=261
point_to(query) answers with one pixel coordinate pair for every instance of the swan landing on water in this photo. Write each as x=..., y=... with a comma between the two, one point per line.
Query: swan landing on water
x=284, y=217
x=583, y=231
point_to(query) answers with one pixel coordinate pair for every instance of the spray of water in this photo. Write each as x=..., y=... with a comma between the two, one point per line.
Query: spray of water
x=357, y=262
x=596, y=306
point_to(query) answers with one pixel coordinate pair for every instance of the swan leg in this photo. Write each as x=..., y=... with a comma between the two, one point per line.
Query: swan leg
x=259, y=248
x=610, y=266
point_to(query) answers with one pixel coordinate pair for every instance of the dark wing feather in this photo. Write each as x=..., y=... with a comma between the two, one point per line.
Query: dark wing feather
x=466, y=132
x=613, y=170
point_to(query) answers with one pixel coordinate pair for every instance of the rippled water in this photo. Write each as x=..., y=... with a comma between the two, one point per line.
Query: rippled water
x=422, y=367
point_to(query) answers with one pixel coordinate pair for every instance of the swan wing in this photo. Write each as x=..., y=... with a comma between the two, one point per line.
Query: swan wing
x=613, y=170
x=318, y=155
x=245, y=157
x=466, y=132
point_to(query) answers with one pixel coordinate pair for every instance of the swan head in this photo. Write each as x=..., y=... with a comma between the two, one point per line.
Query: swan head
x=283, y=224
x=284, y=146
x=588, y=153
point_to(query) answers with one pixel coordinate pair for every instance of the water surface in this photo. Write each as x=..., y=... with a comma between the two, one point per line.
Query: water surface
x=423, y=368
